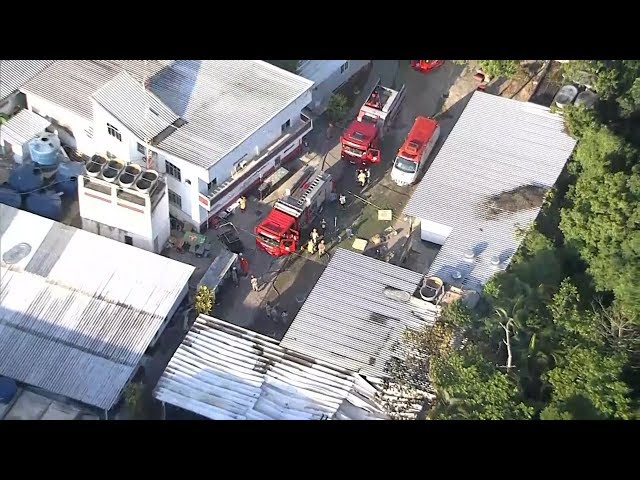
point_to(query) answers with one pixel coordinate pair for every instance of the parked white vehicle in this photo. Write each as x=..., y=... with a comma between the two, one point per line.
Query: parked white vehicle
x=412, y=156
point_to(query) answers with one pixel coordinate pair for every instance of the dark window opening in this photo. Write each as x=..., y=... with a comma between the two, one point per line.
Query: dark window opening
x=285, y=125
x=175, y=199
x=172, y=170
x=128, y=240
x=113, y=131
x=142, y=149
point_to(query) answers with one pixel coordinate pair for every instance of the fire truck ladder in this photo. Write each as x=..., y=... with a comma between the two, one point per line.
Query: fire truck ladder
x=295, y=204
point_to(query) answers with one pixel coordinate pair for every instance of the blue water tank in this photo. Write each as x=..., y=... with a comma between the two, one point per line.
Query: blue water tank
x=26, y=178
x=46, y=204
x=44, y=149
x=67, y=177
x=70, y=169
x=8, y=389
x=66, y=186
x=9, y=196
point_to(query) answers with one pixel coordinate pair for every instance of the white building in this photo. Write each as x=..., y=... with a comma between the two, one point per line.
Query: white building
x=79, y=311
x=215, y=127
x=327, y=76
x=497, y=147
x=131, y=206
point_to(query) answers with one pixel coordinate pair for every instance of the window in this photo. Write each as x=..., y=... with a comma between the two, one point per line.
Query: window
x=172, y=170
x=113, y=131
x=128, y=240
x=212, y=184
x=89, y=132
x=142, y=149
x=175, y=199
x=344, y=67
x=285, y=125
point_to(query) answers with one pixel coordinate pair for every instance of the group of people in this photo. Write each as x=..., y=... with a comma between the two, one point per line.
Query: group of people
x=316, y=242
x=273, y=313
x=363, y=175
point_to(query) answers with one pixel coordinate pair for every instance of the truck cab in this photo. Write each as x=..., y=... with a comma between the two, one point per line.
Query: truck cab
x=278, y=234
x=414, y=152
x=360, y=142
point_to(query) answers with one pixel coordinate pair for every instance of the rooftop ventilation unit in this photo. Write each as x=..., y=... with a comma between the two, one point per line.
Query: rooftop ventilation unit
x=469, y=255
x=495, y=261
x=147, y=181
x=129, y=175
x=431, y=288
x=95, y=165
x=112, y=170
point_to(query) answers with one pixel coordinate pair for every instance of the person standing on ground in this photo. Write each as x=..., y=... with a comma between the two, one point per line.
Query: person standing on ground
x=234, y=276
x=362, y=178
x=343, y=201
x=243, y=203
x=321, y=248
x=254, y=283
x=368, y=173
x=244, y=265
x=311, y=247
x=284, y=316
x=269, y=310
x=314, y=236
x=323, y=227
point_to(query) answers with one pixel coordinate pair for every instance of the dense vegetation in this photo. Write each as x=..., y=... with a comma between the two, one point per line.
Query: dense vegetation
x=557, y=335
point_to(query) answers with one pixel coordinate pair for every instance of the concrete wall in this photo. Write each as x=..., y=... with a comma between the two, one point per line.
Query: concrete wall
x=260, y=140
x=327, y=84
x=77, y=127
x=102, y=215
x=124, y=150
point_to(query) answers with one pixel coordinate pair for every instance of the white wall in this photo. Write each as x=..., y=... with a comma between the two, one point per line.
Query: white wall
x=160, y=224
x=77, y=125
x=110, y=220
x=124, y=150
x=324, y=87
x=434, y=232
x=264, y=137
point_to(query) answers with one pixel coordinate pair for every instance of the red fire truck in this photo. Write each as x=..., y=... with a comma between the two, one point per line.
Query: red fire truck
x=280, y=231
x=415, y=150
x=425, y=66
x=361, y=139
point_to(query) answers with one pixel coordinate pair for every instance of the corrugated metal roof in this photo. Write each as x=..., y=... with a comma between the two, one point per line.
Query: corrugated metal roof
x=138, y=109
x=497, y=145
x=79, y=310
x=225, y=372
x=224, y=101
x=15, y=73
x=347, y=319
x=319, y=70
x=23, y=126
x=71, y=83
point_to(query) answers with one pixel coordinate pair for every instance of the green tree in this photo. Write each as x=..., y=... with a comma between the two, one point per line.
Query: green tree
x=499, y=68
x=134, y=399
x=338, y=107
x=586, y=374
x=204, y=300
x=288, y=65
x=579, y=120
x=602, y=219
x=470, y=388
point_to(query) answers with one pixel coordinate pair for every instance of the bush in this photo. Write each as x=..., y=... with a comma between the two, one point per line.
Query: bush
x=204, y=300
x=338, y=107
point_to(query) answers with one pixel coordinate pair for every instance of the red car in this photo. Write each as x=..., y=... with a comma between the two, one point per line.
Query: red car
x=425, y=66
